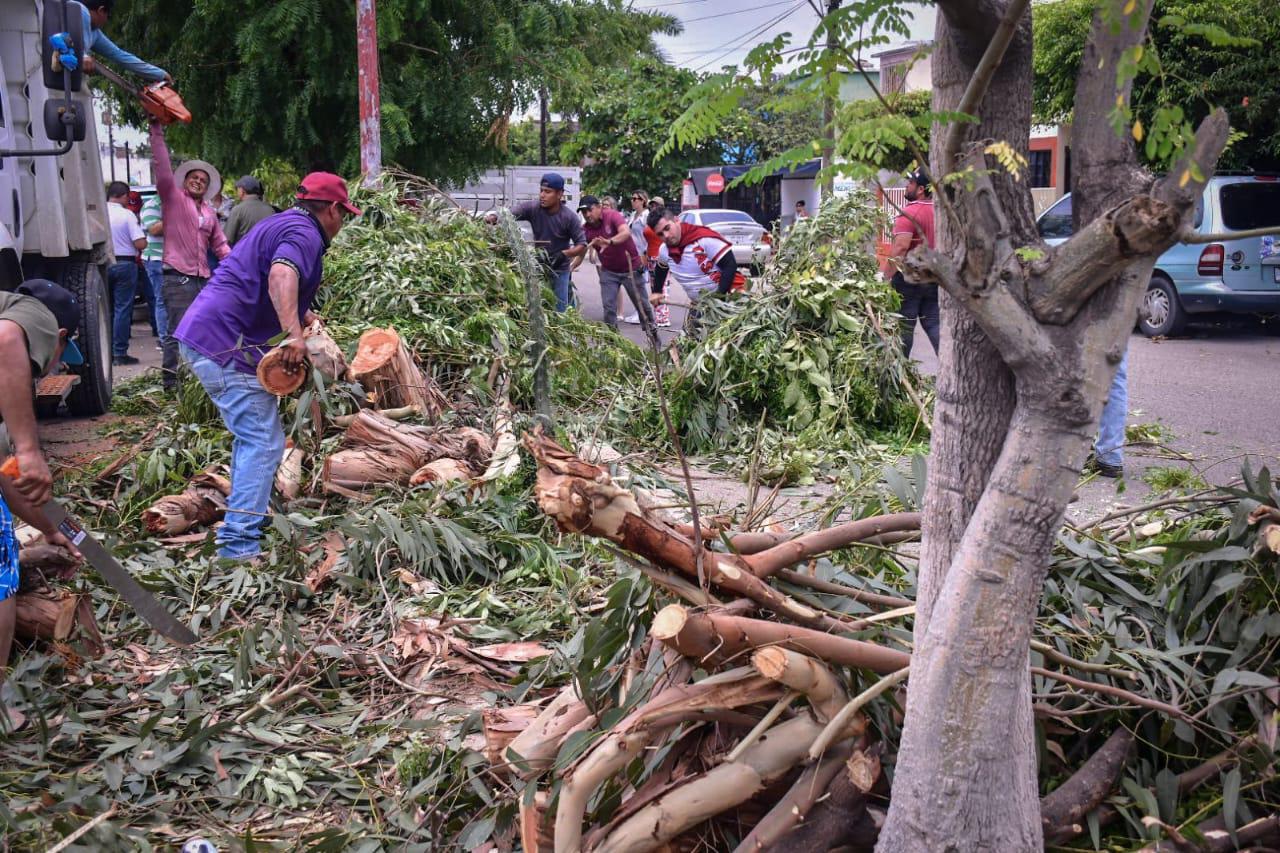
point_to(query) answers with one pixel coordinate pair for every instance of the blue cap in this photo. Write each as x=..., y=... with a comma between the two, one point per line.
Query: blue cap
x=552, y=181
x=71, y=354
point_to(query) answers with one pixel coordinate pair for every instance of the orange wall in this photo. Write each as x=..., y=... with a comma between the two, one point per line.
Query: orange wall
x=1049, y=144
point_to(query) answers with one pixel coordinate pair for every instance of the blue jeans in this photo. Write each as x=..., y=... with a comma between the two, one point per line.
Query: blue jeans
x=564, y=296
x=1109, y=447
x=155, y=278
x=253, y=417
x=123, y=279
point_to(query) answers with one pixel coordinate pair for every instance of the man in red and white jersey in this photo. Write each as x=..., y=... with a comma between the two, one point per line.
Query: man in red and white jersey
x=913, y=227
x=698, y=258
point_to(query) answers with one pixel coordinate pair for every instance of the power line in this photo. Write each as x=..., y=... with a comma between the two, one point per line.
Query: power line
x=664, y=5
x=738, y=43
x=735, y=12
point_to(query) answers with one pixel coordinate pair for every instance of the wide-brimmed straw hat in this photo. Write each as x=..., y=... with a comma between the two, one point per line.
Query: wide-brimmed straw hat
x=215, y=178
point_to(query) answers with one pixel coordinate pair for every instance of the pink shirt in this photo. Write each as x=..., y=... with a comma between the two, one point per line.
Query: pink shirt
x=190, y=229
x=915, y=217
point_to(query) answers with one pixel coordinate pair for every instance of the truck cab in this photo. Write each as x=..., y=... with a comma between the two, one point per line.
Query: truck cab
x=53, y=209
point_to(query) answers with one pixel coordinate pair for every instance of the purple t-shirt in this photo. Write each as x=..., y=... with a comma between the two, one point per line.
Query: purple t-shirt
x=614, y=258
x=232, y=318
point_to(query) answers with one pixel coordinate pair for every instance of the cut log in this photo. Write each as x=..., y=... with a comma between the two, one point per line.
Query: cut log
x=805, y=675
x=202, y=503
x=717, y=637
x=1067, y=805
x=278, y=379
x=792, y=809
x=56, y=615
x=386, y=369
x=377, y=450
x=289, y=474
x=362, y=467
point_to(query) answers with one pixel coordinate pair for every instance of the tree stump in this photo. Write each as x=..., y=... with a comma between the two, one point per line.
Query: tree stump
x=386, y=369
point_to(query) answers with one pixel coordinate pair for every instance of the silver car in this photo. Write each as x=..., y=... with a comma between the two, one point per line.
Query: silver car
x=752, y=244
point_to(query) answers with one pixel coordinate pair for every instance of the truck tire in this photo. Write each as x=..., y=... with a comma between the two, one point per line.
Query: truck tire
x=93, y=395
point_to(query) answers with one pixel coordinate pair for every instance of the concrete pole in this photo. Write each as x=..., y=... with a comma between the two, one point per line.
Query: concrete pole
x=370, y=96
x=829, y=118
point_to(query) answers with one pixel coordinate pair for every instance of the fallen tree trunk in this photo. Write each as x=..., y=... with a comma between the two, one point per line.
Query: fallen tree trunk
x=203, y=502
x=377, y=450
x=387, y=371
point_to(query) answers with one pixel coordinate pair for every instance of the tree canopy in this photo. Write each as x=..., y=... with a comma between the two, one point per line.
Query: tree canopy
x=277, y=79
x=1198, y=66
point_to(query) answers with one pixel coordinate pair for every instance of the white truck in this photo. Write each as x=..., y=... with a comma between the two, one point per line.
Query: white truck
x=53, y=216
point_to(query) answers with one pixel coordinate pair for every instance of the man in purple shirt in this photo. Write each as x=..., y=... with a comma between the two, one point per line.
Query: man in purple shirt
x=263, y=288
x=620, y=263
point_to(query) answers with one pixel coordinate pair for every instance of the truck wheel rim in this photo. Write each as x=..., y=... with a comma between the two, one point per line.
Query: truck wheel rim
x=1156, y=305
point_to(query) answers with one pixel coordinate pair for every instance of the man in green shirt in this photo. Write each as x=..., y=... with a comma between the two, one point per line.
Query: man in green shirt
x=36, y=323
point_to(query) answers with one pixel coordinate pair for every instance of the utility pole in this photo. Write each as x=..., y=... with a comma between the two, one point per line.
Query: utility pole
x=370, y=95
x=111, y=137
x=128, y=165
x=829, y=115
x=542, y=126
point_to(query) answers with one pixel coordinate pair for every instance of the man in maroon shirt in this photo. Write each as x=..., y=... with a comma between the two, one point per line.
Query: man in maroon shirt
x=620, y=262
x=913, y=227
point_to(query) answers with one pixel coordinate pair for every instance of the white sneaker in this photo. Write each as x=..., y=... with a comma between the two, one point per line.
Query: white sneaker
x=664, y=324
x=633, y=318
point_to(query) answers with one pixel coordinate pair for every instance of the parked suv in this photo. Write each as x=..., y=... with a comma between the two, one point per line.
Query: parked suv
x=1235, y=276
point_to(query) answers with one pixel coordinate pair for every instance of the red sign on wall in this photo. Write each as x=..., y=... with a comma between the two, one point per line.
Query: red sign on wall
x=715, y=183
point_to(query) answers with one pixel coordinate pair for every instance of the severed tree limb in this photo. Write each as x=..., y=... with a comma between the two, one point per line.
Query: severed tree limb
x=980, y=82
x=716, y=637
x=810, y=545
x=842, y=718
x=1068, y=804
x=533, y=750
x=840, y=820
x=1108, y=690
x=1190, y=235
x=804, y=675
x=626, y=739
x=798, y=801
x=582, y=498
x=715, y=791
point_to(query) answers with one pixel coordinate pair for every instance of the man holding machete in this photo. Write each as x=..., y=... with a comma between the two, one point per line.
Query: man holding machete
x=36, y=324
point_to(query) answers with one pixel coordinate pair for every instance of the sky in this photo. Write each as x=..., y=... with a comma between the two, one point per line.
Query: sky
x=721, y=32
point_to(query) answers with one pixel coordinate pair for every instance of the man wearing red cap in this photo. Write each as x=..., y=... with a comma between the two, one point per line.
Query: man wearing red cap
x=263, y=288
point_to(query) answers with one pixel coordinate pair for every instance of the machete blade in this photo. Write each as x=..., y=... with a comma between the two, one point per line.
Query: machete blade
x=109, y=567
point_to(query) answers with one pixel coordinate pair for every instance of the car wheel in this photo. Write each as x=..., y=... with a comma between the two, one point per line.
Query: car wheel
x=1161, y=313
x=93, y=395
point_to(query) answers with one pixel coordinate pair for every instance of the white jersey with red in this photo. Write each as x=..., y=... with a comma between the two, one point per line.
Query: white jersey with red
x=693, y=262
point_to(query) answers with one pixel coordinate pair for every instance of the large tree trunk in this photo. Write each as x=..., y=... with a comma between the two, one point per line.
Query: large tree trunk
x=1029, y=347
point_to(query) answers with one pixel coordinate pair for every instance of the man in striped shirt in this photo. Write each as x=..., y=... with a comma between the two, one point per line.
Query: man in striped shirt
x=153, y=264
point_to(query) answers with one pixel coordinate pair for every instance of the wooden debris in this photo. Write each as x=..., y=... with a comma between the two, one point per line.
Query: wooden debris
x=289, y=474
x=57, y=615
x=386, y=369
x=202, y=503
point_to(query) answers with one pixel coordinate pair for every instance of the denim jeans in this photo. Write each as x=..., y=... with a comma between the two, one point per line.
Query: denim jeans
x=561, y=284
x=1109, y=447
x=918, y=301
x=177, y=293
x=252, y=415
x=123, y=279
x=155, y=283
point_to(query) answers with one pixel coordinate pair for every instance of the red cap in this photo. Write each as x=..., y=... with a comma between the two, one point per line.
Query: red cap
x=326, y=186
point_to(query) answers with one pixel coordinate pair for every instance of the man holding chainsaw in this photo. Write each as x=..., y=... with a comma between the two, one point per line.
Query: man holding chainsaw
x=191, y=231
x=36, y=323
x=95, y=14
x=264, y=288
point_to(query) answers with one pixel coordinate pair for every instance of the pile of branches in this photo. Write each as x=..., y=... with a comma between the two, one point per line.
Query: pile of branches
x=808, y=364
x=449, y=283
x=757, y=709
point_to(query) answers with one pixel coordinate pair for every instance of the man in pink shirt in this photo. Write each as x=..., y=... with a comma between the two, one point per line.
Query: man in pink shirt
x=913, y=227
x=191, y=231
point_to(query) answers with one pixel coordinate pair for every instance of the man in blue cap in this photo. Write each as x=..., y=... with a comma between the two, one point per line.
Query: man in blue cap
x=36, y=324
x=557, y=233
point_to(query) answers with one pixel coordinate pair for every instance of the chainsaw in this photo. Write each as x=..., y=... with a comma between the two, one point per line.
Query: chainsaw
x=161, y=101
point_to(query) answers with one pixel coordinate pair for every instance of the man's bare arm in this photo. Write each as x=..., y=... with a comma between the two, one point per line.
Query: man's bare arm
x=282, y=288
x=18, y=411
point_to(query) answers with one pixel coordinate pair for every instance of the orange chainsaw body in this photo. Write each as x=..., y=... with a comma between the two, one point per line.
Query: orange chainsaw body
x=164, y=104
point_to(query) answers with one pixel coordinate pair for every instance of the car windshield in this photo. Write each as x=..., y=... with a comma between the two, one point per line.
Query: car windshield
x=723, y=217
x=1056, y=222
x=1250, y=205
